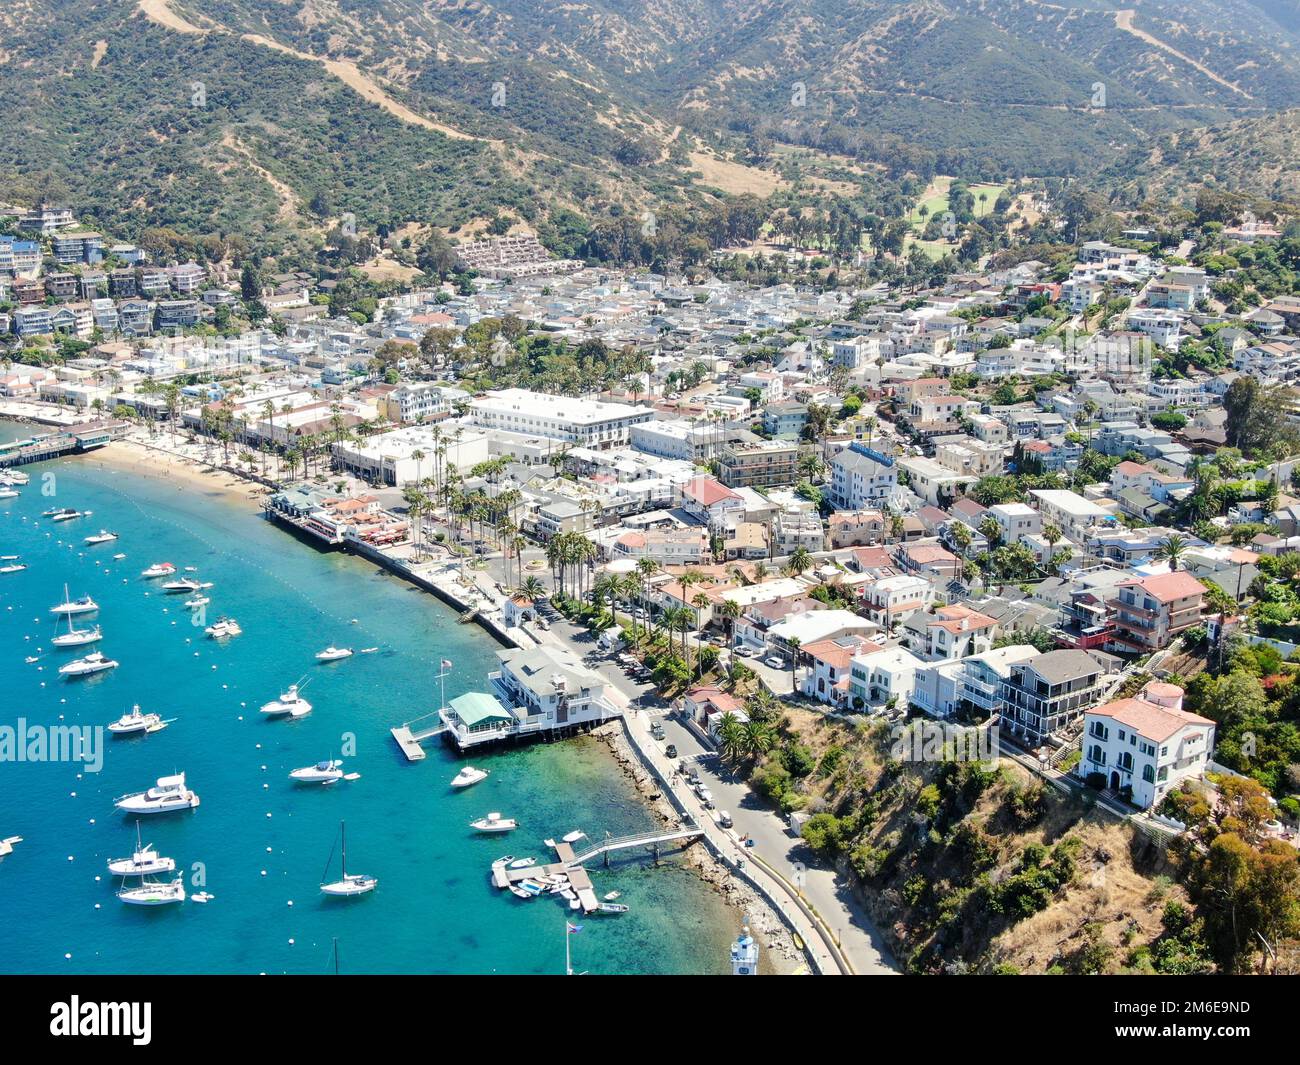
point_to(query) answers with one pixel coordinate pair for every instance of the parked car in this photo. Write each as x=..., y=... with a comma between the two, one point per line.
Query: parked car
x=706, y=797
x=775, y=661
x=744, y=652
x=724, y=819
x=671, y=750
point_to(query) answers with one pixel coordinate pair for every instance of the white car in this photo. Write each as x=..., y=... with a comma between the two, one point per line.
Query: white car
x=744, y=652
x=775, y=661
x=706, y=797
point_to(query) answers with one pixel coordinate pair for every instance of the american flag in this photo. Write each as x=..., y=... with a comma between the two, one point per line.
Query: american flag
x=573, y=929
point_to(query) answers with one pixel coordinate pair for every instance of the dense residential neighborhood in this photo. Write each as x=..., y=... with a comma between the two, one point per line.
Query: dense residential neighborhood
x=1057, y=506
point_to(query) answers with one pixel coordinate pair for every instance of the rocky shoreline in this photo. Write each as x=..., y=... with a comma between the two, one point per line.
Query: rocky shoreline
x=779, y=954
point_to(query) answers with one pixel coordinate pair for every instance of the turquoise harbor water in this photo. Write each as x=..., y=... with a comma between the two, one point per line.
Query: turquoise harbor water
x=433, y=912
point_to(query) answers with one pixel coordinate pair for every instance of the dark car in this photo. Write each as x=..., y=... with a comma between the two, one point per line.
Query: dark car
x=671, y=750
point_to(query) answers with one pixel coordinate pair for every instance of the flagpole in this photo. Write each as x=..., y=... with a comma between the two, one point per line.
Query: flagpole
x=568, y=964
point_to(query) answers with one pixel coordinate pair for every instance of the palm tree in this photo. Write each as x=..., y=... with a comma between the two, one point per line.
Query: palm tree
x=729, y=611
x=992, y=530
x=532, y=587
x=731, y=738
x=799, y=560
x=758, y=738
x=1172, y=548
x=794, y=643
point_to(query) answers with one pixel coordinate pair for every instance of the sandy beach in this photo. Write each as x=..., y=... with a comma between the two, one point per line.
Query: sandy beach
x=157, y=462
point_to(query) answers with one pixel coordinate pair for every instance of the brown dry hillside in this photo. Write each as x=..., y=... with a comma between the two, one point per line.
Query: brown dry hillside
x=969, y=867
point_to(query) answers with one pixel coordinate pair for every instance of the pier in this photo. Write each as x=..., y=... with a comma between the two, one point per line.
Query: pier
x=75, y=439
x=570, y=865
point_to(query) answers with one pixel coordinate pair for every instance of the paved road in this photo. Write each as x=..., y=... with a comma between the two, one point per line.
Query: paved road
x=826, y=891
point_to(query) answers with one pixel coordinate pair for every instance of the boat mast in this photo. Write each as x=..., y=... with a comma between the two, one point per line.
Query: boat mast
x=568, y=964
x=343, y=837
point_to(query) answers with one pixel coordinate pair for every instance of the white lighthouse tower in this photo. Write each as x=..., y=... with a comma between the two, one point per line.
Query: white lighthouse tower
x=744, y=955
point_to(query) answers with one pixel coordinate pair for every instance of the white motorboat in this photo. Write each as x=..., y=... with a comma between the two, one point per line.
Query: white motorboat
x=144, y=861
x=573, y=837
x=14, y=477
x=333, y=654
x=467, y=776
x=84, y=605
x=185, y=584
x=196, y=601
x=329, y=772
x=101, y=537
x=611, y=907
x=30, y=659
x=610, y=896
x=158, y=569
x=168, y=795
x=95, y=662
x=7, y=845
x=76, y=637
x=521, y=863
x=223, y=628
x=494, y=822
x=13, y=567
x=289, y=704
x=149, y=894
x=348, y=884
x=8, y=493
x=66, y=514
x=136, y=722
x=118, y=557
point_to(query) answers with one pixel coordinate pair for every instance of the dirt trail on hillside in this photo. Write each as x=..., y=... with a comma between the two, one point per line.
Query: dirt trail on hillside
x=1124, y=21
x=160, y=12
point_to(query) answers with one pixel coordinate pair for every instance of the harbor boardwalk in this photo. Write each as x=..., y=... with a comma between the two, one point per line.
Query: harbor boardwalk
x=75, y=439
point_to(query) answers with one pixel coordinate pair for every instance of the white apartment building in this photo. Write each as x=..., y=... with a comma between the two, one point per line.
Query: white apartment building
x=423, y=402
x=861, y=479
x=587, y=422
x=1016, y=520
x=1148, y=744
x=890, y=600
x=677, y=439
x=1068, y=511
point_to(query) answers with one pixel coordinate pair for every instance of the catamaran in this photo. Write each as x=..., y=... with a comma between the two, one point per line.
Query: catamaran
x=101, y=537
x=76, y=637
x=494, y=822
x=327, y=772
x=467, y=776
x=150, y=894
x=168, y=795
x=158, y=569
x=333, y=654
x=144, y=861
x=290, y=704
x=223, y=627
x=348, y=883
x=136, y=722
x=84, y=605
x=95, y=662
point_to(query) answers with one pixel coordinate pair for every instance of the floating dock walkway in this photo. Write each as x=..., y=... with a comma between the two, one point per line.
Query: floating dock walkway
x=412, y=734
x=570, y=865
